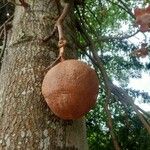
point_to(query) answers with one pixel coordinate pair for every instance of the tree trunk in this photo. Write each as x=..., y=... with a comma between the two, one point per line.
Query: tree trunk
x=25, y=120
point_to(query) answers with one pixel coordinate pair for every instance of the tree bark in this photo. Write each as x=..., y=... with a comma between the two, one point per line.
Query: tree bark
x=26, y=122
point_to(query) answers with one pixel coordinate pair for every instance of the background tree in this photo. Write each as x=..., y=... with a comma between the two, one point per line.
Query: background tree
x=105, y=46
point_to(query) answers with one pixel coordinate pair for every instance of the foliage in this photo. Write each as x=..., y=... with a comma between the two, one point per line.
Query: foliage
x=114, y=48
x=129, y=130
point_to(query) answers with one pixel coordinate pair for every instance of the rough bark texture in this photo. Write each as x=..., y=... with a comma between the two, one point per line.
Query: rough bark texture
x=25, y=120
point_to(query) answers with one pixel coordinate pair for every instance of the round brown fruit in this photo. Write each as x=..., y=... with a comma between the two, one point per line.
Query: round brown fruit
x=70, y=89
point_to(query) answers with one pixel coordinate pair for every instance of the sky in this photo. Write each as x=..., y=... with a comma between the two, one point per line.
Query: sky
x=142, y=84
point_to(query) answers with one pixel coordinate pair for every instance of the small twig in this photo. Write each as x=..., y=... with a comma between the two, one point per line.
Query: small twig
x=9, y=19
x=4, y=5
x=140, y=116
x=49, y=37
x=57, y=60
x=5, y=41
x=1, y=33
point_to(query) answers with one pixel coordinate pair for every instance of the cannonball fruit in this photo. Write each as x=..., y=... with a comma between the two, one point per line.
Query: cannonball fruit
x=70, y=89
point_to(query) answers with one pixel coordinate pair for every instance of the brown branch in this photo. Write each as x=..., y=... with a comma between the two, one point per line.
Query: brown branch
x=62, y=41
x=59, y=23
x=61, y=19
